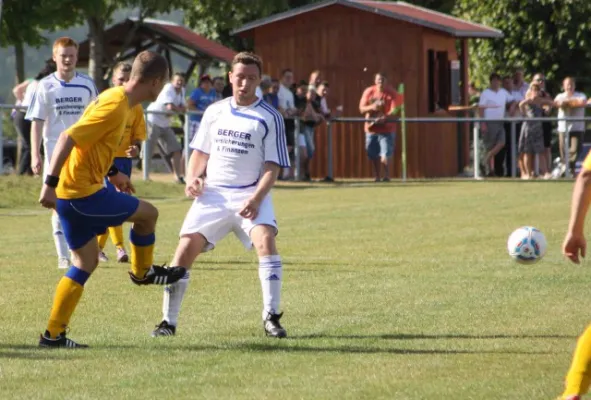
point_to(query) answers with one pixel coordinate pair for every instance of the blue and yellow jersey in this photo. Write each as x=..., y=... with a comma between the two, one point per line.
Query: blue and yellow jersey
x=135, y=130
x=97, y=136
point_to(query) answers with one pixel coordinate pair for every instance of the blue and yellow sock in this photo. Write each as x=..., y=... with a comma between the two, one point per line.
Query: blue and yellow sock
x=68, y=293
x=142, y=253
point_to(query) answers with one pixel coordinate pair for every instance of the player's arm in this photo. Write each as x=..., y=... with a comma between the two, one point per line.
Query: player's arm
x=62, y=150
x=138, y=133
x=276, y=157
x=574, y=242
x=37, y=113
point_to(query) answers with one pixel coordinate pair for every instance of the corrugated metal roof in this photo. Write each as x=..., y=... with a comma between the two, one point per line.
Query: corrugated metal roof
x=393, y=9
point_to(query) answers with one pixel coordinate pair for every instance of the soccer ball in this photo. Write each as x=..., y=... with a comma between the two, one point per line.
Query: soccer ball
x=527, y=245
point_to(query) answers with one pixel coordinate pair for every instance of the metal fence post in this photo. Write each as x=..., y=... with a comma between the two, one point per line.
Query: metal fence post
x=187, y=134
x=476, y=155
x=145, y=147
x=296, y=149
x=513, y=150
x=329, y=177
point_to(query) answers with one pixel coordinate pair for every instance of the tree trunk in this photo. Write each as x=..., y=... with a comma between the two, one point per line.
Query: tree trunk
x=19, y=53
x=96, y=33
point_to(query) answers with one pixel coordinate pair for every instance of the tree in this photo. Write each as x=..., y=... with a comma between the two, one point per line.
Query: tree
x=546, y=36
x=98, y=13
x=22, y=24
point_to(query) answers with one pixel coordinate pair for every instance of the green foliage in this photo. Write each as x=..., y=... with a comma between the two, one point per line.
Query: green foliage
x=217, y=18
x=547, y=36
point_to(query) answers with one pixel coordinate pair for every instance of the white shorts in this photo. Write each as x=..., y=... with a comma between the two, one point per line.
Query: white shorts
x=214, y=214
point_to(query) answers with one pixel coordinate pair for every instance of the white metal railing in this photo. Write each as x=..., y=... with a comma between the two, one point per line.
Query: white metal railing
x=330, y=123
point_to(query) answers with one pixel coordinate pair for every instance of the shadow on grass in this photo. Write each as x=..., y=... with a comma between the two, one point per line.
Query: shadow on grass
x=406, y=336
x=278, y=348
x=33, y=352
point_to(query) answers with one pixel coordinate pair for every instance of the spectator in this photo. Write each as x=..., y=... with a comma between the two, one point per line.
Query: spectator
x=377, y=102
x=301, y=102
x=200, y=98
x=312, y=117
x=492, y=106
x=218, y=85
x=171, y=100
x=22, y=125
x=504, y=157
x=546, y=161
x=315, y=79
x=519, y=84
x=570, y=104
x=531, y=140
x=289, y=111
x=270, y=93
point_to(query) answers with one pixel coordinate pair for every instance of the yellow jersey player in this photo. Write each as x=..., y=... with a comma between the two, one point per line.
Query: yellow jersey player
x=575, y=245
x=74, y=187
x=133, y=136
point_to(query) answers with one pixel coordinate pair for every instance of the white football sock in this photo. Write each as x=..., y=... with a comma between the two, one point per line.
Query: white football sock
x=270, y=274
x=173, y=298
x=61, y=246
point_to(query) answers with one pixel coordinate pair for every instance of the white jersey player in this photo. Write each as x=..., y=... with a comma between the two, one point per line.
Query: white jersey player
x=58, y=102
x=241, y=141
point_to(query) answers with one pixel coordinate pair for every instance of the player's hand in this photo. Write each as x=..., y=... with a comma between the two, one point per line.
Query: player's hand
x=36, y=163
x=194, y=187
x=122, y=183
x=574, y=244
x=132, y=151
x=250, y=210
x=48, y=198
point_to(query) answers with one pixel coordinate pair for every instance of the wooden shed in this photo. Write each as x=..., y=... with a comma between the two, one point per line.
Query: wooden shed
x=349, y=41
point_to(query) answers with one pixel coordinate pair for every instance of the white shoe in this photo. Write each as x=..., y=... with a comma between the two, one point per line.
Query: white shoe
x=64, y=263
x=103, y=257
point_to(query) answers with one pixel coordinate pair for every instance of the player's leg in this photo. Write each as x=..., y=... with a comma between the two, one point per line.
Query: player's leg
x=261, y=233
x=81, y=238
x=207, y=222
x=142, y=237
x=271, y=277
x=116, y=232
x=579, y=374
x=189, y=247
x=102, y=242
x=61, y=246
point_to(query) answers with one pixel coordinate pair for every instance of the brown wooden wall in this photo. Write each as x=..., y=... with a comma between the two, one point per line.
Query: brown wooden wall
x=348, y=46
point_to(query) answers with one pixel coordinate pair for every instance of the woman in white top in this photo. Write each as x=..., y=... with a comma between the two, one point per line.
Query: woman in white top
x=22, y=125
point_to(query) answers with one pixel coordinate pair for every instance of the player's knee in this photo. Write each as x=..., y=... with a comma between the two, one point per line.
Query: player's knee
x=265, y=243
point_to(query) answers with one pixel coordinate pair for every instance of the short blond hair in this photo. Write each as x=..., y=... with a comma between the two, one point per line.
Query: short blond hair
x=149, y=65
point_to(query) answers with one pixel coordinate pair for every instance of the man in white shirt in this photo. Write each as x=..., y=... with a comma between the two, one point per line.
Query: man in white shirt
x=570, y=104
x=288, y=110
x=58, y=102
x=241, y=143
x=492, y=106
x=171, y=99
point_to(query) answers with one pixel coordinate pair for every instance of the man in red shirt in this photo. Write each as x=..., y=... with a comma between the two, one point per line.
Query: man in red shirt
x=377, y=103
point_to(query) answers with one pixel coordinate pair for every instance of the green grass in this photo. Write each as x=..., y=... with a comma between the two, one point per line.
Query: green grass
x=391, y=291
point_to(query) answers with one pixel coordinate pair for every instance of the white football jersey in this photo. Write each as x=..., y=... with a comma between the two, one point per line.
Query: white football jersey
x=60, y=104
x=239, y=140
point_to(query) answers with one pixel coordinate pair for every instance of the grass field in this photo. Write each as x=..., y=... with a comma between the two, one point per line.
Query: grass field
x=391, y=291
